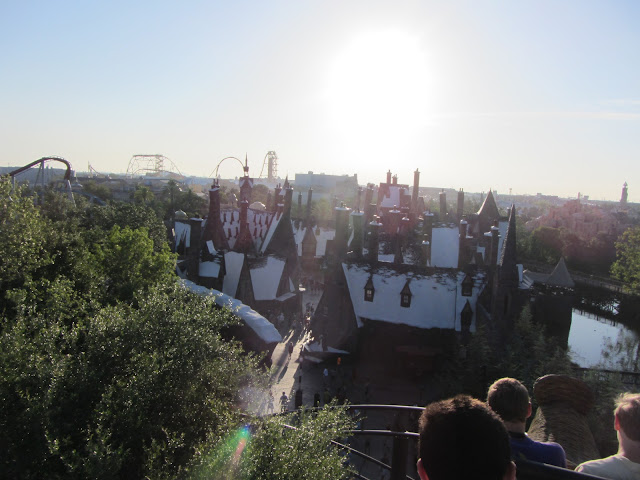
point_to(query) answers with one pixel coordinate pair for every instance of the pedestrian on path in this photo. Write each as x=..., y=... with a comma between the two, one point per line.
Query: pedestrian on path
x=290, y=349
x=284, y=400
x=270, y=402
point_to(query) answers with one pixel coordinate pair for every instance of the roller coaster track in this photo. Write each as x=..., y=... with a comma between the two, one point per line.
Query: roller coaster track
x=41, y=162
x=67, y=175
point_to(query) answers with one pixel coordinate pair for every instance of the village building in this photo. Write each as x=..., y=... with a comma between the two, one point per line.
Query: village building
x=248, y=254
x=413, y=292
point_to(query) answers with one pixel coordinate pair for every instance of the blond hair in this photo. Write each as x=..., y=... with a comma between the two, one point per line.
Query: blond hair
x=628, y=414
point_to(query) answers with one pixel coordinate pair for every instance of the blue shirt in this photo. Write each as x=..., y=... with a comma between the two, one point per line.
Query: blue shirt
x=544, y=452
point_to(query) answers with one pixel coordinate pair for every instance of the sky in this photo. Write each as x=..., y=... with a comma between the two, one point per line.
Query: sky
x=528, y=96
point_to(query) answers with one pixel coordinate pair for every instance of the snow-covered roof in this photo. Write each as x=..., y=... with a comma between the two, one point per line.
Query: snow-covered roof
x=260, y=325
x=233, y=262
x=445, y=247
x=265, y=277
x=393, y=200
x=322, y=236
x=275, y=219
x=436, y=301
x=183, y=233
x=209, y=269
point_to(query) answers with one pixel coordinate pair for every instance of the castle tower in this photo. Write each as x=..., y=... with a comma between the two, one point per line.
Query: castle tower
x=625, y=194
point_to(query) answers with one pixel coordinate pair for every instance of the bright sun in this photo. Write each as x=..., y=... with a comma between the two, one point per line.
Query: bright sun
x=379, y=89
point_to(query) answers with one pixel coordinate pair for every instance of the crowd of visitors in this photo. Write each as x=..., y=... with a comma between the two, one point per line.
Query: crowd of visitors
x=463, y=438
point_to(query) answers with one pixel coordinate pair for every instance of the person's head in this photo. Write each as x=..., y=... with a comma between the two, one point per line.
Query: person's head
x=627, y=415
x=509, y=399
x=462, y=438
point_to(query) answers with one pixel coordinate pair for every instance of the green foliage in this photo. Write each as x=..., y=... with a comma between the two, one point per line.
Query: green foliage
x=321, y=210
x=128, y=263
x=99, y=190
x=259, y=193
x=143, y=195
x=108, y=367
x=98, y=220
x=127, y=390
x=274, y=451
x=23, y=232
x=525, y=353
x=627, y=264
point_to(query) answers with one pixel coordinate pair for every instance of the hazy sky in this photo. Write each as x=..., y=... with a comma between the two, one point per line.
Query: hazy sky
x=537, y=96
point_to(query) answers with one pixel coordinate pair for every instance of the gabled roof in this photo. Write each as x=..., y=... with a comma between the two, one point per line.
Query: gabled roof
x=233, y=262
x=560, y=277
x=445, y=247
x=508, y=266
x=489, y=208
x=437, y=299
x=266, y=273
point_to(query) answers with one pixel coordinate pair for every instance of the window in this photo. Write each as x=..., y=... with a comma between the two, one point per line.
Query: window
x=369, y=290
x=405, y=296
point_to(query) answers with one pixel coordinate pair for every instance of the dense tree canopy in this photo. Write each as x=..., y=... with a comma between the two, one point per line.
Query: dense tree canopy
x=627, y=264
x=109, y=368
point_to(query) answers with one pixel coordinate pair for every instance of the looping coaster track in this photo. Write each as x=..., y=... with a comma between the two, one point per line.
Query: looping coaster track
x=152, y=164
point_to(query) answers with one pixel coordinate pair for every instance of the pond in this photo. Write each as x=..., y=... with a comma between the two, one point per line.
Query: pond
x=604, y=331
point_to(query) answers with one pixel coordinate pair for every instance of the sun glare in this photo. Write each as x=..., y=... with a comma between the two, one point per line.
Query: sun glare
x=379, y=88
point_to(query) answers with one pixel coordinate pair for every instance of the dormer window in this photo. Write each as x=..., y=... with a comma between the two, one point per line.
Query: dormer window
x=467, y=286
x=405, y=296
x=369, y=290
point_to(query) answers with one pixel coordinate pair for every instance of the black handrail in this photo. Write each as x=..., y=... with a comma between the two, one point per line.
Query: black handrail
x=528, y=470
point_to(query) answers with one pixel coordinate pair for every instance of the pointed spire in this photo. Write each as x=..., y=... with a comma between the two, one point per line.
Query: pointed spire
x=560, y=277
x=508, y=268
x=489, y=207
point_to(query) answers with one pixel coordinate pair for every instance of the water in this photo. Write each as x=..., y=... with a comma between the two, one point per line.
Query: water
x=597, y=341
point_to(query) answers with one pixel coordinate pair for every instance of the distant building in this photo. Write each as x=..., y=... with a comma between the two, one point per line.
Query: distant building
x=583, y=219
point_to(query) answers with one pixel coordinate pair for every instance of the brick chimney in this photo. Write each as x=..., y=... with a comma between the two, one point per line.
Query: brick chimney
x=213, y=228
x=426, y=251
x=462, y=249
x=288, y=197
x=374, y=238
x=193, y=255
x=308, y=215
x=342, y=231
x=389, y=177
x=460, y=211
x=276, y=197
x=443, y=206
x=358, y=233
x=415, y=192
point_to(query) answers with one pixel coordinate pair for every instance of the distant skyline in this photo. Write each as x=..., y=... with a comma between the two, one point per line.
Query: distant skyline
x=533, y=96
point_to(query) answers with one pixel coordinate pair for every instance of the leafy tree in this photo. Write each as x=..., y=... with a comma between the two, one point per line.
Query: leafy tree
x=97, y=220
x=128, y=263
x=259, y=193
x=143, y=195
x=22, y=229
x=546, y=245
x=627, y=264
x=110, y=369
x=526, y=353
x=99, y=190
x=321, y=210
x=292, y=447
